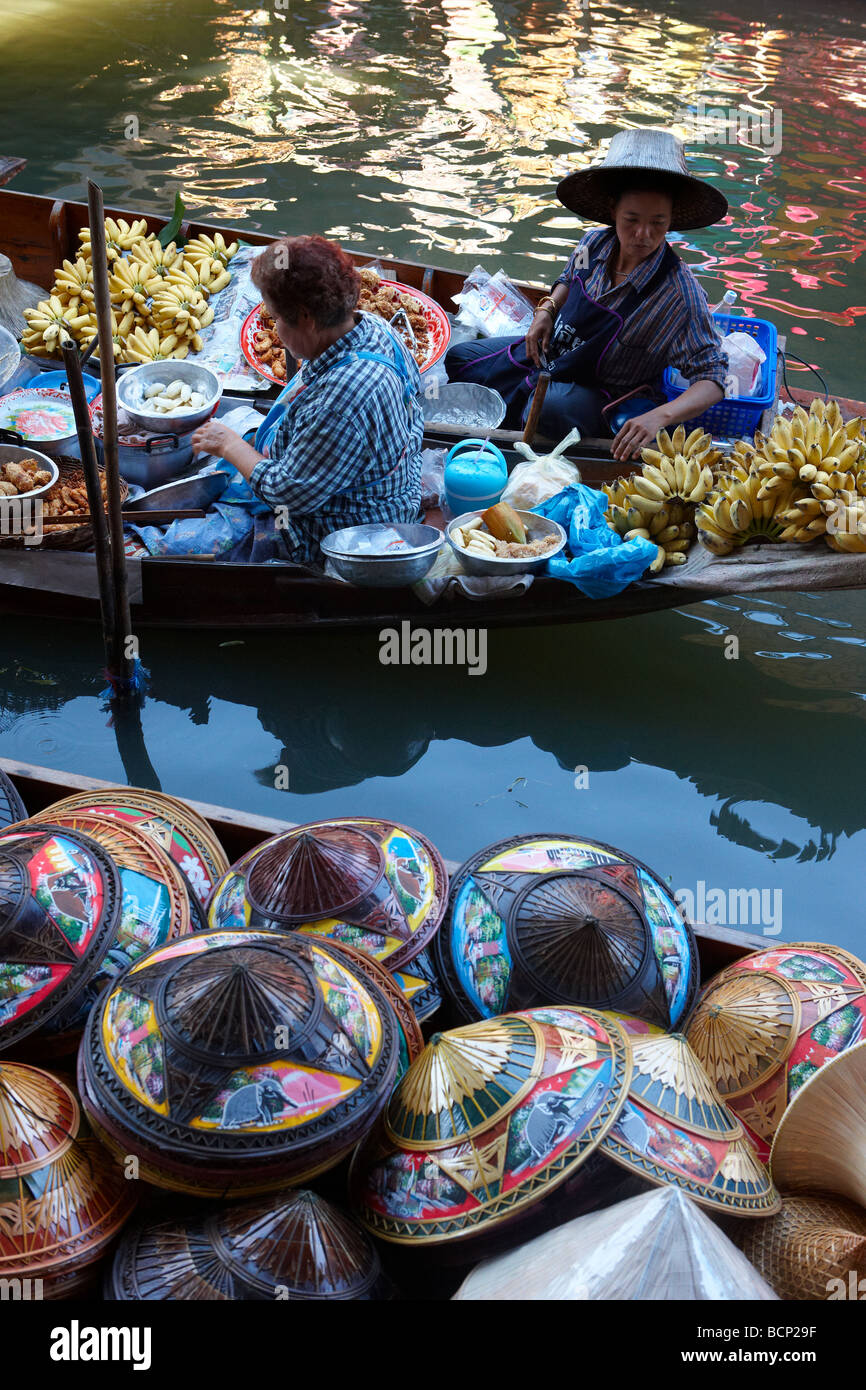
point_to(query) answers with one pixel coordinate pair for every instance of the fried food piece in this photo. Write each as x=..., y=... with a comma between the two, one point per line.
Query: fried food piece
x=15, y=473
x=7, y=489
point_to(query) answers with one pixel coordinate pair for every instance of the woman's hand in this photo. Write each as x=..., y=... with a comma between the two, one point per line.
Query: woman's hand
x=213, y=437
x=539, y=335
x=638, y=432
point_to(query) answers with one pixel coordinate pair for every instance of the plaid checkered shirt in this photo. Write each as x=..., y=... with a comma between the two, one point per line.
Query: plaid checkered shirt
x=348, y=450
x=671, y=327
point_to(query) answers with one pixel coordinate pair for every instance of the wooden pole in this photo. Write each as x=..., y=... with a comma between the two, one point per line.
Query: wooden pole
x=121, y=664
x=535, y=408
x=77, y=395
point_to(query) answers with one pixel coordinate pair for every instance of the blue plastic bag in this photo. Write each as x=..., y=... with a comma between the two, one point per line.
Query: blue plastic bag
x=600, y=563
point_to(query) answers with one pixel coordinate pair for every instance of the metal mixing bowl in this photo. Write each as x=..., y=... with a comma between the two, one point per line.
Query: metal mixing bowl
x=537, y=527
x=133, y=384
x=360, y=553
x=465, y=403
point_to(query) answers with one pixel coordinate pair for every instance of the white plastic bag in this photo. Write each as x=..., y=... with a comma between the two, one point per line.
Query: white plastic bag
x=542, y=476
x=493, y=305
x=744, y=362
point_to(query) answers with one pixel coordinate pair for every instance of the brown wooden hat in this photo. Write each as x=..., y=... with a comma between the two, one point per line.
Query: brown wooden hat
x=643, y=152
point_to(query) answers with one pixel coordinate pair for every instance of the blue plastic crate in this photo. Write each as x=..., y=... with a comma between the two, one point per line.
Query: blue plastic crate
x=737, y=415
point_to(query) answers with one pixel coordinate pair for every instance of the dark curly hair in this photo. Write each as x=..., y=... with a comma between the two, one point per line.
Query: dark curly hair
x=307, y=272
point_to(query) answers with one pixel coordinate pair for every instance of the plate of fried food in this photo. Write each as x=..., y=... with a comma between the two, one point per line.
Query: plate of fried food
x=420, y=322
x=25, y=473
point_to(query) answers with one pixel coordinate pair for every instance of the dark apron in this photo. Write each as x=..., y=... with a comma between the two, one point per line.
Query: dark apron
x=583, y=333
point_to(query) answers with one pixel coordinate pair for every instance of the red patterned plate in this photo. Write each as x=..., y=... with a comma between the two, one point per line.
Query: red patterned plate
x=438, y=331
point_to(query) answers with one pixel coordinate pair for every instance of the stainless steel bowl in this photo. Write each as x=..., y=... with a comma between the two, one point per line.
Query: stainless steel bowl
x=537, y=527
x=12, y=453
x=133, y=384
x=465, y=403
x=361, y=555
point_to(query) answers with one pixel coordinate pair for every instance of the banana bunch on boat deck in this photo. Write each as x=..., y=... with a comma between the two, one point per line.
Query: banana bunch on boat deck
x=658, y=502
x=159, y=295
x=804, y=480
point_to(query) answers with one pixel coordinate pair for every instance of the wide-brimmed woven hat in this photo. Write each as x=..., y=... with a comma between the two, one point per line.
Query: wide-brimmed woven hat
x=644, y=152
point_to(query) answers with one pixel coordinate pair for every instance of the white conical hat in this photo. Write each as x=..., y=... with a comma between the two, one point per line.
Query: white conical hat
x=643, y=152
x=656, y=1246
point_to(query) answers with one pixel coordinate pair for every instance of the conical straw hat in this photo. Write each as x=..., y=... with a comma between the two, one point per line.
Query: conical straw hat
x=810, y=1249
x=639, y=153
x=659, y=1245
x=675, y=1128
x=820, y=1144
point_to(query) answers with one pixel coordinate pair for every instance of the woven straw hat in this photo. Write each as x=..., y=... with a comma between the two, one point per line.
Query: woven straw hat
x=644, y=152
x=813, y=1241
x=821, y=1141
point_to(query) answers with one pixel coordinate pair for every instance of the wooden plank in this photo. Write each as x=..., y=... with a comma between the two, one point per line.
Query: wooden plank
x=71, y=573
x=10, y=165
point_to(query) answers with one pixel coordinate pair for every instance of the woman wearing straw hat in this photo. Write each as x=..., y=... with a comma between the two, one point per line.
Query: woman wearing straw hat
x=624, y=308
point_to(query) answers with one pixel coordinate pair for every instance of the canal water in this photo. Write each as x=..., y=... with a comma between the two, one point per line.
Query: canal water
x=437, y=131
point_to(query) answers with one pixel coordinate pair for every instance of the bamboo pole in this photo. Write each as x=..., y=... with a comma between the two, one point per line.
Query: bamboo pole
x=535, y=408
x=77, y=395
x=121, y=664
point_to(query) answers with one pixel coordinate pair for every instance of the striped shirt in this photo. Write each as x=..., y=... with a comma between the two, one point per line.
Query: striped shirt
x=348, y=449
x=672, y=327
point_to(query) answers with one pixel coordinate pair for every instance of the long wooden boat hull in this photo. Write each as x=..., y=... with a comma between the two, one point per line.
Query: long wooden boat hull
x=38, y=233
x=239, y=832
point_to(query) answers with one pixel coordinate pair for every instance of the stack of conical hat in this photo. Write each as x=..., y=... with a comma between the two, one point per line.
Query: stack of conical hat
x=659, y=1245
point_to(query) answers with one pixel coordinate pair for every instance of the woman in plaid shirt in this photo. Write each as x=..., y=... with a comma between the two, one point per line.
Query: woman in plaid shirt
x=624, y=308
x=343, y=446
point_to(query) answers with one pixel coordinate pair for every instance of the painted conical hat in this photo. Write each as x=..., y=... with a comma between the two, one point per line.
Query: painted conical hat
x=771, y=1020
x=488, y=1120
x=820, y=1144
x=675, y=1128
x=810, y=1249
x=559, y=919
x=238, y=1061
x=292, y=1245
x=60, y=896
x=659, y=1245
x=314, y=872
x=62, y=1199
x=175, y=826
x=372, y=884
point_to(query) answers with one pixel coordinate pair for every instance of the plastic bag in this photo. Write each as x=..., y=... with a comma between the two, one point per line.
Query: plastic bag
x=745, y=356
x=542, y=476
x=601, y=562
x=432, y=477
x=493, y=305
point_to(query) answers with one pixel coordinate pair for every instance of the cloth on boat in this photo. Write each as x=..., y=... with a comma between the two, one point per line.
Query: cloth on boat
x=344, y=446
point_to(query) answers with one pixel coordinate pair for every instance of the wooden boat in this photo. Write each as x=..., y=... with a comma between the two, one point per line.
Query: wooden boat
x=240, y=831
x=37, y=234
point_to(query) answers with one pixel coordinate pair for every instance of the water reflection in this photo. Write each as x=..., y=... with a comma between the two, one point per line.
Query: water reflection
x=748, y=734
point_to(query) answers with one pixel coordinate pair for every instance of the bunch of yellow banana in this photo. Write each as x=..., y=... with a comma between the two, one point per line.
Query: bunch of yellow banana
x=214, y=253
x=48, y=324
x=681, y=466
x=120, y=236
x=74, y=283
x=183, y=311
x=673, y=531
x=846, y=525
x=148, y=345
x=128, y=286
x=154, y=262
x=742, y=508
x=810, y=445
